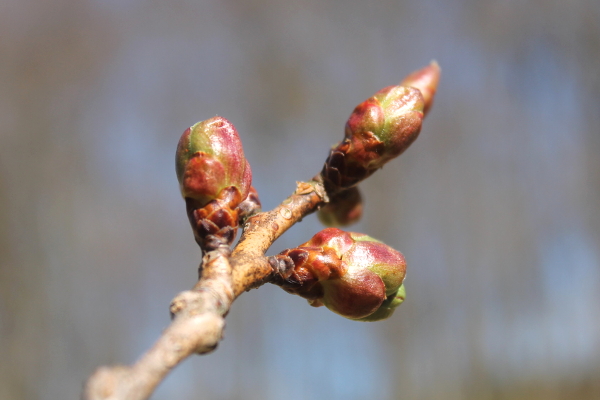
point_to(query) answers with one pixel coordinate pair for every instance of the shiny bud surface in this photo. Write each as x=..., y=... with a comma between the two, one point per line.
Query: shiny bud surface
x=350, y=273
x=209, y=158
x=215, y=180
x=378, y=130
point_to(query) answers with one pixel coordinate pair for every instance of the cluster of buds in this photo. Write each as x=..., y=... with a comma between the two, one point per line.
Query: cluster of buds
x=351, y=274
x=215, y=180
x=378, y=130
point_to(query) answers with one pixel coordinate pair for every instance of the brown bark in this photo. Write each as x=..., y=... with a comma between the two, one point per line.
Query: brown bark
x=199, y=313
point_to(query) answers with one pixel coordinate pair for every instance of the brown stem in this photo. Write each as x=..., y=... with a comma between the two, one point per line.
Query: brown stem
x=250, y=266
x=198, y=314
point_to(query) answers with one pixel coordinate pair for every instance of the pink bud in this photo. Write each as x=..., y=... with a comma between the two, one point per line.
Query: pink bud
x=209, y=158
x=352, y=274
x=378, y=130
x=383, y=126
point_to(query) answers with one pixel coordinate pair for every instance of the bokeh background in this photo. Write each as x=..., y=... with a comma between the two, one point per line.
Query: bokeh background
x=495, y=206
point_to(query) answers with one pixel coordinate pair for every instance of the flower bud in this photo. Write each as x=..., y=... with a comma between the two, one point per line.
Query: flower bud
x=352, y=274
x=379, y=129
x=426, y=80
x=344, y=208
x=210, y=158
x=215, y=178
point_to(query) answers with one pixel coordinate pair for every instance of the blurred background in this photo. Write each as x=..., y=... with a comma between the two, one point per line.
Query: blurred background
x=495, y=206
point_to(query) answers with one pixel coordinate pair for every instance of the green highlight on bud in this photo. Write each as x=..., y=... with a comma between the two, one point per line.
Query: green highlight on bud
x=388, y=307
x=352, y=274
x=380, y=129
x=210, y=158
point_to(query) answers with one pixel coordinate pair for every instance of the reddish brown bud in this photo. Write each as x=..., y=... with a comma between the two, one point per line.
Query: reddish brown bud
x=426, y=80
x=344, y=208
x=378, y=130
x=250, y=206
x=210, y=158
x=215, y=178
x=352, y=274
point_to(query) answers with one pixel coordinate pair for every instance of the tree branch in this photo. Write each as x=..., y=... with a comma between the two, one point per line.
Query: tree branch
x=215, y=179
x=198, y=314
